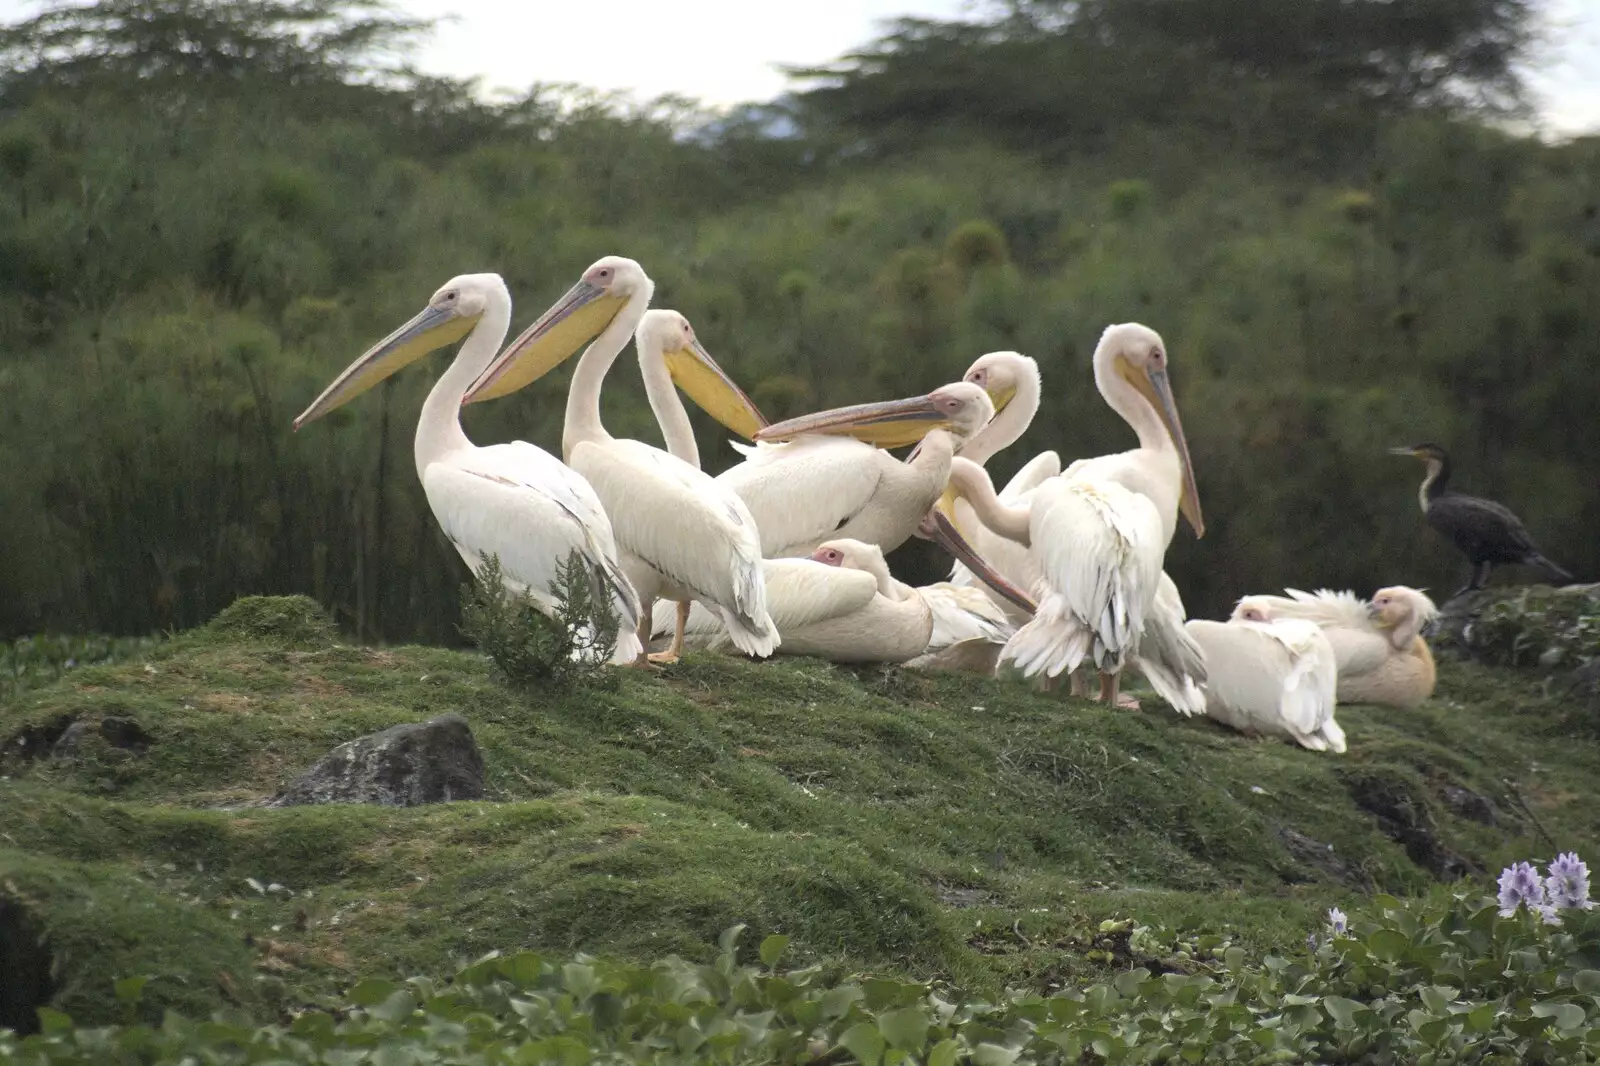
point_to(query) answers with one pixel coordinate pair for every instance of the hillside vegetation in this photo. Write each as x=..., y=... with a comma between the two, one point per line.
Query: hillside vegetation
x=965, y=831
x=209, y=210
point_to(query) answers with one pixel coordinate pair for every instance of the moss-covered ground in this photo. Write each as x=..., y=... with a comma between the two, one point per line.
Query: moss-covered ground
x=963, y=829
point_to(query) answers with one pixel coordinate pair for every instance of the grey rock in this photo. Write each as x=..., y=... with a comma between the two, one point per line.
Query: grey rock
x=1465, y=803
x=122, y=733
x=403, y=766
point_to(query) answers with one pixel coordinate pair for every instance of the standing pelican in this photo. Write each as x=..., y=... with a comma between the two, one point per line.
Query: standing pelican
x=1482, y=530
x=1272, y=676
x=1169, y=659
x=511, y=500
x=1378, y=645
x=670, y=358
x=680, y=533
x=828, y=479
x=1099, y=530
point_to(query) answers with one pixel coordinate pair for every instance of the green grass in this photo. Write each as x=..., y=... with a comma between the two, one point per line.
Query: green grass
x=961, y=830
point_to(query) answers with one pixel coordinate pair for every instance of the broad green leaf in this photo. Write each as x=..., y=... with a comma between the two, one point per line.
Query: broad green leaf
x=1587, y=981
x=993, y=1055
x=1437, y=998
x=130, y=989
x=944, y=1053
x=772, y=949
x=371, y=992
x=1565, y=1015
x=904, y=1028
x=1388, y=945
x=863, y=1041
x=1481, y=1019
x=1342, y=1010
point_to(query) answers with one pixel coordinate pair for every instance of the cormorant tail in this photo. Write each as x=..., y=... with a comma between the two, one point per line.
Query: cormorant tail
x=1562, y=576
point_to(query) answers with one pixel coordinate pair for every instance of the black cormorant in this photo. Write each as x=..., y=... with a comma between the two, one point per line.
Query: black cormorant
x=1485, y=532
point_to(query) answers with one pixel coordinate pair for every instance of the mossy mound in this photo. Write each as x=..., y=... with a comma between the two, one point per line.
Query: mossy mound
x=293, y=621
x=960, y=829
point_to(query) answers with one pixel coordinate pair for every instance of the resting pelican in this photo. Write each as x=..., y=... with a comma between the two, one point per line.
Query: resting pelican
x=1378, y=645
x=1169, y=659
x=680, y=533
x=829, y=480
x=839, y=603
x=511, y=500
x=1098, y=532
x=1271, y=676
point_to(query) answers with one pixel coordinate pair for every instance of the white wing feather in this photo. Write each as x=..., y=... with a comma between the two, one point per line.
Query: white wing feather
x=520, y=503
x=1100, y=548
x=805, y=491
x=963, y=613
x=681, y=523
x=1168, y=656
x=1274, y=677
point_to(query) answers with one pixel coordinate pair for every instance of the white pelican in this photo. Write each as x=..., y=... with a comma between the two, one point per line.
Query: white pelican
x=681, y=534
x=829, y=480
x=670, y=358
x=1273, y=677
x=1169, y=659
x=839, y=603
x=1099, y=530
x=512, y=500
x=1378, y=645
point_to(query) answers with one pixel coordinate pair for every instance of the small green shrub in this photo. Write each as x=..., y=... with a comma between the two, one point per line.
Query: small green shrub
x=534, y=650
x=29, y=662
x=1538, y=627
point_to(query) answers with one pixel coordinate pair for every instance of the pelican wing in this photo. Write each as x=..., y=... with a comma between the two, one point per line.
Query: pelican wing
x=962, y=612
x=1035, y=472
x=520, y=503
x=1310, y=683
x=804, y=491
x=800, y=592
x=1328, y=608
x=1169, y=658
x=1247, y=669
x=682, y=524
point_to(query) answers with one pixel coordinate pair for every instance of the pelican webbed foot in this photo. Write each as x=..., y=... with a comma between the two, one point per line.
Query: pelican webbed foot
x=676, y=649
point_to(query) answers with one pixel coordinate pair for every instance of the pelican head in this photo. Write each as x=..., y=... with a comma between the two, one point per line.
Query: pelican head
x=961, y=408
x=587, y=309
x=1252, y=609
x=1138, y=355
x=696, y=373
x=451, y=314
x=1405, y=610
x=1001, y=374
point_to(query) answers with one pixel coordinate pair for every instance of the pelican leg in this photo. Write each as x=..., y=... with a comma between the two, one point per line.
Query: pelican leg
x=1077, y=686
x=672, y=653
x=1112, y=695
x=643, y=661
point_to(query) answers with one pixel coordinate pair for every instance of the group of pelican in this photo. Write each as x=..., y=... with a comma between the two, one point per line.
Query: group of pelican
x=1061, y=570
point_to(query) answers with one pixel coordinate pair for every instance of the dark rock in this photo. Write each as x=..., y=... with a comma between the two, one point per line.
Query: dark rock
x=1321, y=857
x=122, y=733
x=1465, y=803
x=1530, y=624
x=25, y=982
x=403, y=766
x=36, y=741
x=1404, y=816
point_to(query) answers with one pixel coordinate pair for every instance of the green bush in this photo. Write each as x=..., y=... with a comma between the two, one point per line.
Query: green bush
x=29, y=662
x=1444, y=979
x=531, y=649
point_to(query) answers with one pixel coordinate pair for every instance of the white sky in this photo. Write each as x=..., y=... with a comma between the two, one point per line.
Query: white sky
x=728, y=51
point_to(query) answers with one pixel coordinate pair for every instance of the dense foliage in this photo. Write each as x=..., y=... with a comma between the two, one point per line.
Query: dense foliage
x=1445, y=979
x=533, y=651
x=190, y=248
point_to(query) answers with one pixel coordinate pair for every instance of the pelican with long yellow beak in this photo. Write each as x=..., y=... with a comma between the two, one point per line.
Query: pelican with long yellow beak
x=827, y=476
x=1098, y=532
x=1169, y=658
x=512, y=500
x=680, y=534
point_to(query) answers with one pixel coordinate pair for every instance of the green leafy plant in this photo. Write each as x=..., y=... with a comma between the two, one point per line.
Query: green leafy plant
x=29, y=662
x=1448, y=978
x=566, y=645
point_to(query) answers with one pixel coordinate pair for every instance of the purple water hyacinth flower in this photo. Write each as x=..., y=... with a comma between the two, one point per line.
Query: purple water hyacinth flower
x=1311, y=942
x=1520, y=883
x=1337, y=921
x=1568, y=883
x=1548, y=914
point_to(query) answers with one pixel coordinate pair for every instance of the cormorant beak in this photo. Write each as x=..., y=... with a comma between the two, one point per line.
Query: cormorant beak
x=713, y=391
x=1403, y=451
x=1153, y=384
x=942, y=531
x=570, y=323
x=891, y=424
x=431, y=329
